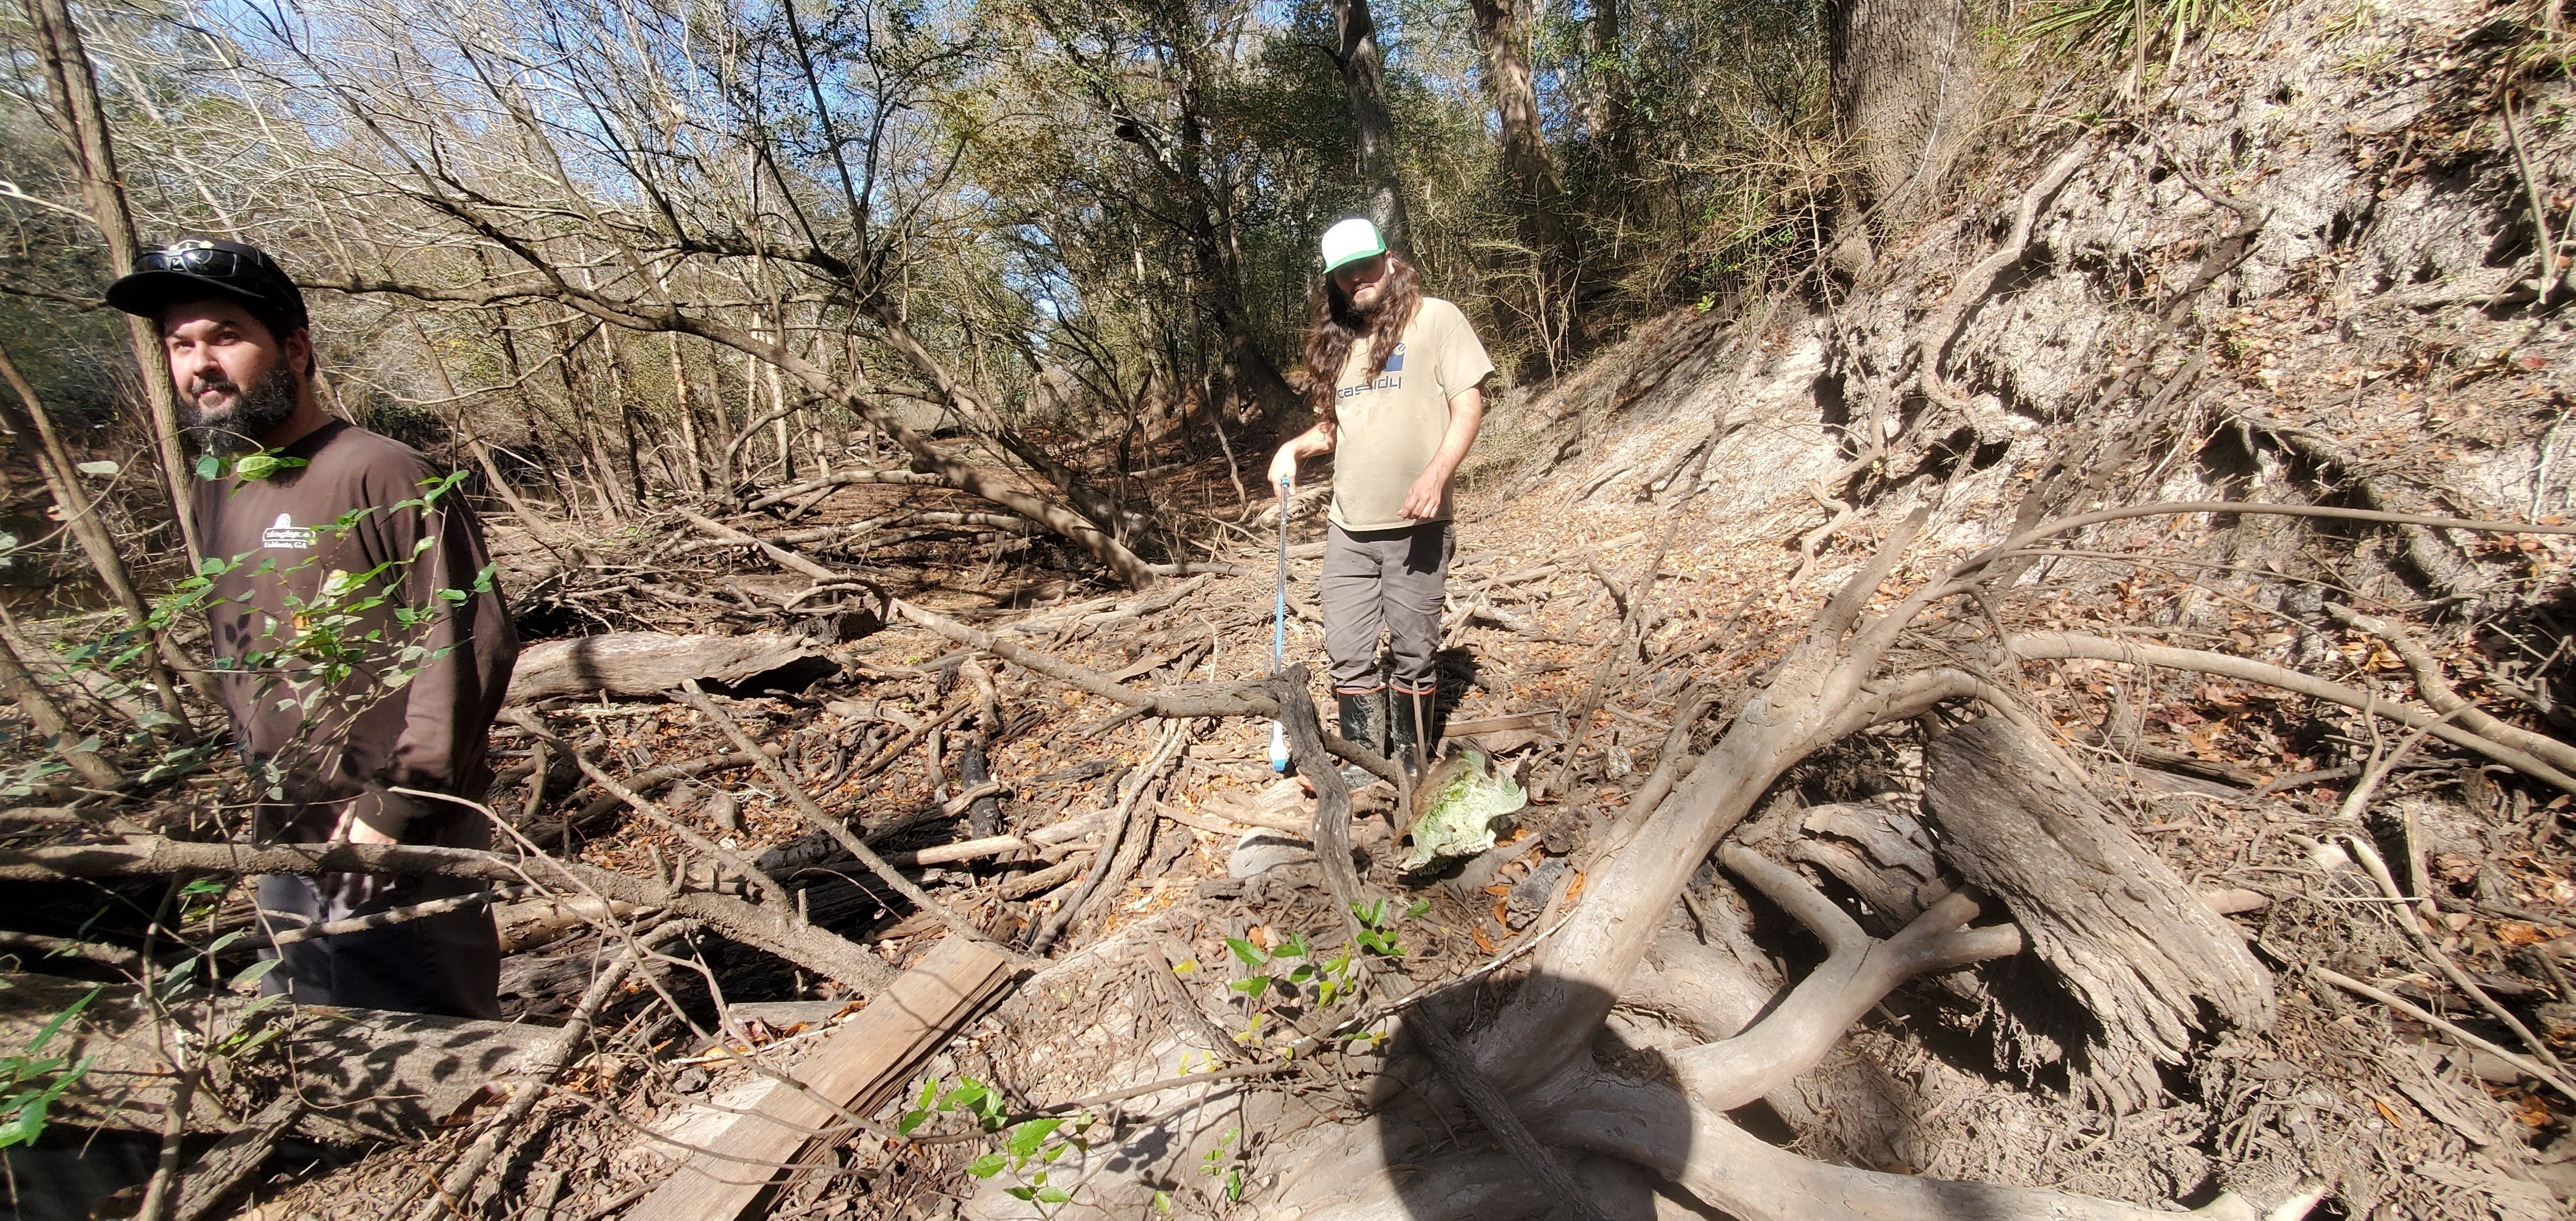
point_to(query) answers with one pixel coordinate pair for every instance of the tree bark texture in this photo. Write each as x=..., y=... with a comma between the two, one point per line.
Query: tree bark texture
x=1372, y=128
x=2139, y=951
x=1904, y=92
x=1507, y=75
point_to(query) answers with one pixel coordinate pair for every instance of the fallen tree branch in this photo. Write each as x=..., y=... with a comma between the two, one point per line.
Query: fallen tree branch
x=635, y=664
x=1332, y=826
x=646, y=781
x=1858, y=972
x=1727, y=1168
x=2377, y=868
x=2436, y=690
x=2045, y=646
x=1124, y=831
x=399, y=915
x=1495, y=1112
x=1171, y=703
x=841, y=479
x=769, y=888
x=781, y=556
x=2527, y=1066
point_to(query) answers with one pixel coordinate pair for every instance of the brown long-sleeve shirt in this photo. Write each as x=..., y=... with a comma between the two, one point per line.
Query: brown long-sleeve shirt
x=345, y=698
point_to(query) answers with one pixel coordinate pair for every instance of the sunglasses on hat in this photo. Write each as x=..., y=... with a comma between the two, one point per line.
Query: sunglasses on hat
x=187, y=268
x=200, y=258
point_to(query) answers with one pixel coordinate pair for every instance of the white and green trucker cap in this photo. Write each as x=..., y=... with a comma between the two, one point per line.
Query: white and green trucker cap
x=1350, y=241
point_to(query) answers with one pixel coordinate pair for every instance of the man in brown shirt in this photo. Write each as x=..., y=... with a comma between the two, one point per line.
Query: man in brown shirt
x=362, y=644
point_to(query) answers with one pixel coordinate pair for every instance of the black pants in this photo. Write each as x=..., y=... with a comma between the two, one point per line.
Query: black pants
x=447, y=964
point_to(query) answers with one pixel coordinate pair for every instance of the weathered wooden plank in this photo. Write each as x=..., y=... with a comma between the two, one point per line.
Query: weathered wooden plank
x=868, y=1056
x=1547, y=721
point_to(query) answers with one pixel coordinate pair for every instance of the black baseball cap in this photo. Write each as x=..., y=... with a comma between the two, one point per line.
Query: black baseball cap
x=195, y=268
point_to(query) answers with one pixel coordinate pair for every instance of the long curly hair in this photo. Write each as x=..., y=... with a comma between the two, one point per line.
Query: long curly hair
x=1333, y=324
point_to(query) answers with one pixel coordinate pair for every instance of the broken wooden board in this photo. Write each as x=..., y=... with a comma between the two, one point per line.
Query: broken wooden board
x=650, y=663
x=855, y=1068
x=365, y=1074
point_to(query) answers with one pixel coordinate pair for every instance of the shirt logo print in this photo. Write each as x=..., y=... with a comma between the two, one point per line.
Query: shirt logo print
x=285, y=535
x=1385, y=381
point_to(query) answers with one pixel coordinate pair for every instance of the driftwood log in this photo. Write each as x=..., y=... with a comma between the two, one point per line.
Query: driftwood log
x=2132, y=943
x=1538, y=1047
x=816, y=949
x=650, y=663
x=363, y=1074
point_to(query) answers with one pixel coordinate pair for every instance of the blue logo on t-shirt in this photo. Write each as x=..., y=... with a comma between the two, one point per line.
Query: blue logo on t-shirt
x=1394, y=365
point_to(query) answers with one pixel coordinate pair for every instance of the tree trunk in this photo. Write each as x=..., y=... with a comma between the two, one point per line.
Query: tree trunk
x=637, y=664
x=1609, y=100
x=82, y=123
x=778, y=422
x=501, y=488
x=1904, y=90
x=1507, y=77
x=691, y=457
x=2140, y=955
x=387, y=1075
x=1364, y=76
x=626, y=418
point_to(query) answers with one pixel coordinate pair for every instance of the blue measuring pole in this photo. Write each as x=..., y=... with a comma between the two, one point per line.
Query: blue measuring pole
x=1279, y=633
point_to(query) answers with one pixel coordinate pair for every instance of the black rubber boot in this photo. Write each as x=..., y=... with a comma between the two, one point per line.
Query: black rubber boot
x=1406, y=714
x=1364, y=718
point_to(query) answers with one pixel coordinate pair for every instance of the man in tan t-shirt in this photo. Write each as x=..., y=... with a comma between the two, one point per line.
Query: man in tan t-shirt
x=1397, y=380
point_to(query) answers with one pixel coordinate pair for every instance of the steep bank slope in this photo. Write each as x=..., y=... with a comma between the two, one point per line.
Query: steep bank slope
x=2303, y=271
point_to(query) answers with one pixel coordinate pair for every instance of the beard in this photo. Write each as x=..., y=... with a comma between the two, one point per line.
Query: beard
x=255, y=411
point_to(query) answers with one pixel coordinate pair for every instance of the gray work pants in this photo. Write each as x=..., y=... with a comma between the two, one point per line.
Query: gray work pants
x=1391, y=581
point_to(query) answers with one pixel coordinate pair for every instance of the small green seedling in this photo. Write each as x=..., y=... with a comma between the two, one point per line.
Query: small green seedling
x=1029, y=1147
x=31, y=1082
x=1214, y=1163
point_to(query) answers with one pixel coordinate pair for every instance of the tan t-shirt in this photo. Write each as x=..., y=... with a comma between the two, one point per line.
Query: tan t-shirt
x=1391, y=428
